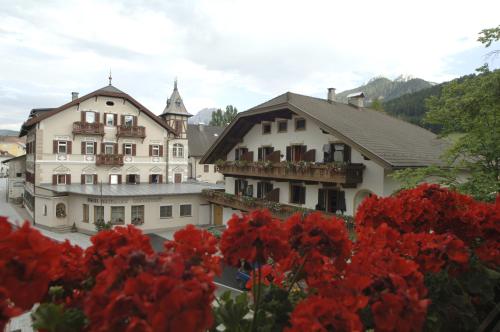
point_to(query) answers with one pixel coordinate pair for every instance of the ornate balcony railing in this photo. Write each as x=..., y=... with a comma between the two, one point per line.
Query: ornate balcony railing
x=86, y=128
x=278, y=210
x=109, y=160
x=131, y=131
x=350, y=174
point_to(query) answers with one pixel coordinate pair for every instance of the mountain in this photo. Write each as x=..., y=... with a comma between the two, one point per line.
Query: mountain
x=386, y=89
x=8, y=132
x=202, y=116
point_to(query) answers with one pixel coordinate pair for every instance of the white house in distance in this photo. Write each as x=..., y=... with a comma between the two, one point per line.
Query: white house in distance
x=201, y=137
x=106, y=157
x=297, y=152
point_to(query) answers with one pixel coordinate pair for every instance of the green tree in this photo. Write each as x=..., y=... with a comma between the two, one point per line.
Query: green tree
x=377, y=105
x=223, y=118
x=469, y=112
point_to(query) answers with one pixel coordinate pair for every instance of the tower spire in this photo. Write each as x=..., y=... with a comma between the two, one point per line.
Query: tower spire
x=175, y=83
x=110, y=78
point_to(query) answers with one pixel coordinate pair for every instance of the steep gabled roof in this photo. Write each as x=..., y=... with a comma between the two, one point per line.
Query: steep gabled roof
x=201, y=137
x=107, y=91
x=391, y=142
x=175, y=105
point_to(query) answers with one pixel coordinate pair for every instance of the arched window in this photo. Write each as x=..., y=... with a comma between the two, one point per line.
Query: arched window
x=178, y=150
x=60, y=210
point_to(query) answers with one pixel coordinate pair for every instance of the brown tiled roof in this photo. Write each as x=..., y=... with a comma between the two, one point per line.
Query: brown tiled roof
x=391, y=142
x=108, y=91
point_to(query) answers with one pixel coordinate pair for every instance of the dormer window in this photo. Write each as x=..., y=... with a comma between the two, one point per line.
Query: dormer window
x=178, y=102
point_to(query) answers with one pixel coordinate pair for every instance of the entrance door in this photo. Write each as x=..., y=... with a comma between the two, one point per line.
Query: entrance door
x=178, y=178
x=217, y=215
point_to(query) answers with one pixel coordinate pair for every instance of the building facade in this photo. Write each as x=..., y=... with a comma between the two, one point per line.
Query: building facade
x=296, y=153
x=104, y=157
x=201, y=137
x=15, y=179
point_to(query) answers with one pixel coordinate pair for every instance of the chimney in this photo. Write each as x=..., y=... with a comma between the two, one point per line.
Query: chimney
x=356, y=99
x=331, y=95
x=74, y=95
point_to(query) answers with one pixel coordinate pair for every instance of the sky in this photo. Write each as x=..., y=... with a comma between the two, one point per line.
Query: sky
x=228, y=51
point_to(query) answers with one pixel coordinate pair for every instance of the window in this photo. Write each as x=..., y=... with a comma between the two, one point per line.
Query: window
x=110, y=119
x=165, y=211
x=206, y=168
x=239, y=152
x=85, y=213
x=300, y=124
x=18, y=175
x=61, y=178
x=282, y=126
x=60, y=210
x=264, y=152
x=297, y=194
x=98, y=213
x=113, y=179
x=240, y=187
x=178, y=125
x=155, y=178
x=295, y=153
x=109, y=148
x=45, y=210
x=62, y=147
x=178, y=150
x=337, y=152
x=155, y=150
x=133, y=178
x=263, y=188
x=118, y=215
x=185, y=210
x=127, y=149
x=89, y=148
x=109, y=103
x=89, y=178
x=137, y=214
x=266, y=128
x=128, y=120
x=89, y=117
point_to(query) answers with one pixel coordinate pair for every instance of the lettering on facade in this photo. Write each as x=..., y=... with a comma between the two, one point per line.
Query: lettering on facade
x=107, y=201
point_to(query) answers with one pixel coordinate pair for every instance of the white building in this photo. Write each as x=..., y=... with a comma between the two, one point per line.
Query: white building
x=16, y=173
x=106, y=157
x=298, y=152
x=201, y=137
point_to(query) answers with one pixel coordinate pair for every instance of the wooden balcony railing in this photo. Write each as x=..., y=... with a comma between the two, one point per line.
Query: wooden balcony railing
x=131, y=131
x=86, y=128
x=244, y=203
x=300, y=171
x=109, y=160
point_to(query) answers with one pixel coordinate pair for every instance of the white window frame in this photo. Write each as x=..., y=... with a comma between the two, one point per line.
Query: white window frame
x=89, y=146
x=171, y=212
x=110, y=116
x=155, y=150
x=128, y=120
x=61, y=176
x=121, y=208
x=127, y=146
x=190, y=210
x=113, y=179
x=178, y=150
x=90, y=116
x=109, y=145
x=134, y=211
x=87, y=177
x=60, y=145
x=86, y=213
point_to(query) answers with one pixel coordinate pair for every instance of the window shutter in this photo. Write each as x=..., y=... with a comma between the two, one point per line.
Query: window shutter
x=341, y=203
x=123, y=148
x=122, y=120
x=150, y=178
x=161, y=178
x=150, y=150
x=347, y=153
x=259, y=155
x=137, y=179
x=161, y=150
x=259, y=189
x=303, y=150
x=115, y=149
x=82, y=179
x=236, y=155
x=302, y=195
x=134, y=149
x=82, y=116
x=321, y=200
x=69, y=143
x=288, y=153
x=102, y=148
x=54, y=146
x=95, y=178
x=97, y=116
x=310, y=155
x=119, y=179
x=134, y=121
x=68, y=178
x=83, y=147
x=54, y=179
x=115, y=119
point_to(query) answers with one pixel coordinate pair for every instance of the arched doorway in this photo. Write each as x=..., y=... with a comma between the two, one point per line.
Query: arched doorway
x=359, y=198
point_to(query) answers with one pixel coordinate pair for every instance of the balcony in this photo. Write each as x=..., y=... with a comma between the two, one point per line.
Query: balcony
x=85, y=128
x=347, y=174
x=109, y=160
x=244, y=203
x=131, y=131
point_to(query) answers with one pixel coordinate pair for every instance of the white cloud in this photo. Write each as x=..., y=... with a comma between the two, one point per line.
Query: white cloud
x=239, y=52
